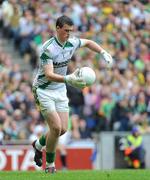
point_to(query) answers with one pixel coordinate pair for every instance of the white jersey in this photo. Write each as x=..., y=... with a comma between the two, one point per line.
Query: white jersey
x=54, y=53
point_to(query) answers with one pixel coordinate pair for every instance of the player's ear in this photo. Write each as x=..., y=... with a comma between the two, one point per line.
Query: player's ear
x=57, y=27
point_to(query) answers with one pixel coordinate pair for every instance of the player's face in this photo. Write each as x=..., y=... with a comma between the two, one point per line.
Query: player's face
x=64, y=32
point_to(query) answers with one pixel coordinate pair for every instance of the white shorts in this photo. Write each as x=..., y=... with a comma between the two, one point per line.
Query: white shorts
x=52, y=100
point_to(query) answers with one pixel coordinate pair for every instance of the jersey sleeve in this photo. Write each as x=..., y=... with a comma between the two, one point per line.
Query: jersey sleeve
x=46, y=58
x=82, y=42
x=75, y=42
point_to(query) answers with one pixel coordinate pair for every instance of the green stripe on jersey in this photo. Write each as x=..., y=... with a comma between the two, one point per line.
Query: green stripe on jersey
x=68, y=44
x=44, y=59
x=43, y=86
x=44, y=56
x=79, y=43
x=58, y=42
x=48, y=43
x=41, y=76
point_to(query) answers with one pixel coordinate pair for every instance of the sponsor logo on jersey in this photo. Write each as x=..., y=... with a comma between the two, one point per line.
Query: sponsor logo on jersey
x=60, y=64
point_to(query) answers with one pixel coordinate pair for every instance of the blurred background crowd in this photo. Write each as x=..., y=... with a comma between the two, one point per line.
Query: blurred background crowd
x=118, y=100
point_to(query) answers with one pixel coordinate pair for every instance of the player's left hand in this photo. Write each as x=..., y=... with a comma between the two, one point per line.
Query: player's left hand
x=107, y=57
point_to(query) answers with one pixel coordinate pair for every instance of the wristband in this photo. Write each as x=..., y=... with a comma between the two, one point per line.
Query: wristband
x=65, y=79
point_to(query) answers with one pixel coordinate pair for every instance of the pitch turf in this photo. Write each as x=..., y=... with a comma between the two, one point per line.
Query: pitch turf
x=78, y=175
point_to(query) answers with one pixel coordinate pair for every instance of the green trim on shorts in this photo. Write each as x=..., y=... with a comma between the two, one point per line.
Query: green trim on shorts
x=34, y=89
x=36, y=96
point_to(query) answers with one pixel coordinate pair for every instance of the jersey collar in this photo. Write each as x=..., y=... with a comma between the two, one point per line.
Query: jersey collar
x=67, y=44
x=57, y=41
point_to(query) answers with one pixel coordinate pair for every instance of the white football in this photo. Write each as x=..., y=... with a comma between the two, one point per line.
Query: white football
x=88, y=75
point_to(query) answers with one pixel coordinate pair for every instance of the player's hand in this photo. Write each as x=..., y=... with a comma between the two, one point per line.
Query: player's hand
x=107, y=57
x=75, y=79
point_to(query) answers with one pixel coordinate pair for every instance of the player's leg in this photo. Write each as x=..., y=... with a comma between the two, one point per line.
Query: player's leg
x=64, y=116
x=37, y=146
x=54, y=124
x=39, y=143
x=46, y=105
x=50, y=139
x=63, y=154
x=57, y=123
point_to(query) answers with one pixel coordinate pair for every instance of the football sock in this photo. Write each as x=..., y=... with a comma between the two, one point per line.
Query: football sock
x=38, y=145
x=50, y=164
x=50, y=158
x=63, y=160
x=41, y=142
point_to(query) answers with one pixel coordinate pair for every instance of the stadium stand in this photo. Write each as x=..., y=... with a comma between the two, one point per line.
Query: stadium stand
x=118, y=100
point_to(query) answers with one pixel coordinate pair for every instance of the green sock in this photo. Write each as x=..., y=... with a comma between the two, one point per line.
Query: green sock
x=50, y=157
x=42, y=140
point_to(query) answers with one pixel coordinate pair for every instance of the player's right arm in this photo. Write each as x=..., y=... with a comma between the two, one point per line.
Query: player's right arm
x=47, y=64
x=50, y=75
x=72, y=79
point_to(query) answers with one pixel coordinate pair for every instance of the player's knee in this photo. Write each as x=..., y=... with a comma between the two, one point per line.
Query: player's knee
x=57, y=131
x=63, y=131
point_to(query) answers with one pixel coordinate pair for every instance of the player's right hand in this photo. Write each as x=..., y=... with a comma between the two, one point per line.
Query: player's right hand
x=75, y=79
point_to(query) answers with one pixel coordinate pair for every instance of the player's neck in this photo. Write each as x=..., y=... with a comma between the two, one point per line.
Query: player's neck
x=60, y=41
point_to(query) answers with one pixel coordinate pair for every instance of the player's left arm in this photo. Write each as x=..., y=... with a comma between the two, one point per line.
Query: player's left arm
x=97, y=48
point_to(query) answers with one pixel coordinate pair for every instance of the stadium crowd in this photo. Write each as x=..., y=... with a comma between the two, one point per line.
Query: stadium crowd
x=118, y=100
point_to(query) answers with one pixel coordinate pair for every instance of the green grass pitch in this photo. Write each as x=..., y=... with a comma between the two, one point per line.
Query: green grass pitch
x=78, y=175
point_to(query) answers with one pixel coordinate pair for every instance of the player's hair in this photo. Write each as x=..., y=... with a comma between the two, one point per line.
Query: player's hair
x=62, y=20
